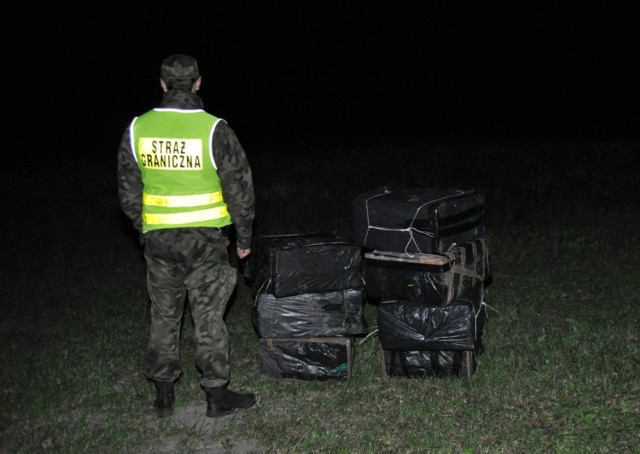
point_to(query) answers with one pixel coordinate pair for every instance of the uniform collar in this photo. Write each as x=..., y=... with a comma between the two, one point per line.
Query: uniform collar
x=180, y=98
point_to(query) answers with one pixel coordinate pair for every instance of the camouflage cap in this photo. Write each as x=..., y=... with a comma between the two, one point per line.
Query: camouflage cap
x=179, y=67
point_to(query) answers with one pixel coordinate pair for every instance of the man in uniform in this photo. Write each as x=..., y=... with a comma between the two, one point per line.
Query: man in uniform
x=183, y=179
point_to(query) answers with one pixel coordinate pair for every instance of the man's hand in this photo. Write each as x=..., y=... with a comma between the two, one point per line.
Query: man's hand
x=242, y=253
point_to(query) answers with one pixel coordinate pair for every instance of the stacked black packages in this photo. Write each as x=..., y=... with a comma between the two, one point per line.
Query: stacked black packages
x=426, y=265
x=309, y=304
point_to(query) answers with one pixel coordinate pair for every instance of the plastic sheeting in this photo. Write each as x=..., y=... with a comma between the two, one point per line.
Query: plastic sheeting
x=307, y=359
x=431, y=364
x=417, y=220
x=426, y=278
x=328, y=314
x=285, y=265
x=407, y=325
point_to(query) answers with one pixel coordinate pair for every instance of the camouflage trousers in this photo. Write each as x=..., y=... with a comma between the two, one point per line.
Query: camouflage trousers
x=192, y=264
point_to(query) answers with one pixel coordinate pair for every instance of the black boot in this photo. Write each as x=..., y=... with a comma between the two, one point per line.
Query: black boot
x=221, y=401
x=164, y=398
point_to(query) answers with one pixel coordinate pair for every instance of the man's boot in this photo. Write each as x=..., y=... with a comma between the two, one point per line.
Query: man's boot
x=221, y=401
x=164, y=398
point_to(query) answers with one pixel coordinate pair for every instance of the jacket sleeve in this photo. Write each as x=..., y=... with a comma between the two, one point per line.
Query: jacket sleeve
x=236, y=181
x=130, y=185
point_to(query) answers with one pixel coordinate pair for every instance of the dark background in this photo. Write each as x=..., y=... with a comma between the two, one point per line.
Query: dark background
x=440, y=68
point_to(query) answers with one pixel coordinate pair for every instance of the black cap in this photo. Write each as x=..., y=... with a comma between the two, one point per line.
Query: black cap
x=179, y=67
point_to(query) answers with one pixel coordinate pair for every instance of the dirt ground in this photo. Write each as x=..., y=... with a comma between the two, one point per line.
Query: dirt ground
x=192, y=417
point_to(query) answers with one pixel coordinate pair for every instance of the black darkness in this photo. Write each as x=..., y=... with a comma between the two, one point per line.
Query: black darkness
x=474, y=69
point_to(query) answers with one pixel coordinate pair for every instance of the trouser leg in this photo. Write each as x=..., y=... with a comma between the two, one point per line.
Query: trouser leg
x=163, y=351
x=208, y=303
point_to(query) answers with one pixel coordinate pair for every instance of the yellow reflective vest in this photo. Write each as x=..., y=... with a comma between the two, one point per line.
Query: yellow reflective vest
x=181, y=184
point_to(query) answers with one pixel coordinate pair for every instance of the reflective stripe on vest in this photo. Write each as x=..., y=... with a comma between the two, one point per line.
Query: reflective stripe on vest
x=185, y=218
x=177, y=201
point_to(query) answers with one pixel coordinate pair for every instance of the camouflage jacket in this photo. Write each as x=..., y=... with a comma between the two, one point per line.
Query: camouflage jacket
x=233, y=170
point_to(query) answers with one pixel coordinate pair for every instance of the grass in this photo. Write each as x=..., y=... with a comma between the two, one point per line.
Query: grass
x=561, y=363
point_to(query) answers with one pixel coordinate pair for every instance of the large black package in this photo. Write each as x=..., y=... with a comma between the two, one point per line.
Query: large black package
x=417, y=220
x=285, y=265
x=431, y=363
x=318, y=358
x=328, y=314
x=407, y=325
x=427, y=278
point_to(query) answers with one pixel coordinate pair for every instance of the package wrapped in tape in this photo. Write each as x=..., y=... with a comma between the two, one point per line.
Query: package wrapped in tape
x=417, y=219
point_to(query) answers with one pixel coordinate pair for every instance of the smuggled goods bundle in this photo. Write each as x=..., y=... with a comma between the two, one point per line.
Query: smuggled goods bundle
x=308, y=304
x=429, y=278
x=417, y=219
x=307, y=358
x=426, y=265
x=420, y=340
x=284, y=265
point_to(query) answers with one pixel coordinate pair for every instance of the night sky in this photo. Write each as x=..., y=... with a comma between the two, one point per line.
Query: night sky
x=444, y=67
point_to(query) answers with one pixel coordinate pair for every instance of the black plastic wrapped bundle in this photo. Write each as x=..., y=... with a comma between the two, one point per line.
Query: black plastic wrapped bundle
x=285, y=265
x=307, y=358
x=417, y=220
x=428, y=278
x=431, y=363
x=327, y=314
x=407, y=325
